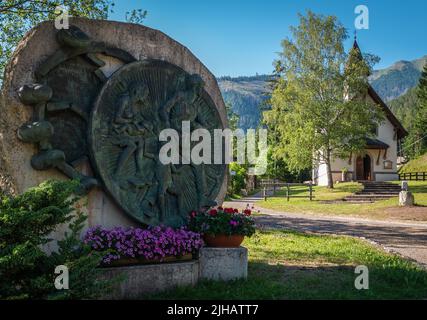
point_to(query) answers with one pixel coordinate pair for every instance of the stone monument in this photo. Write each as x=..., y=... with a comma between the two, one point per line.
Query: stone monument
x=406, y=198
x=89, y=102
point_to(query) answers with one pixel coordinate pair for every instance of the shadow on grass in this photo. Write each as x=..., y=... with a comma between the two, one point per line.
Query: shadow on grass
x=293, y=191
x=281, y=281
x=418, y=188
x=299, y=190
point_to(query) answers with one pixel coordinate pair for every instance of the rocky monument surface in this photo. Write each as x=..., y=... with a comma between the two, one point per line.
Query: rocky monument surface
x=88, y=103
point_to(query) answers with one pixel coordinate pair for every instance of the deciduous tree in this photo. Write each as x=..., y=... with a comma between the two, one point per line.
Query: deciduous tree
x=19, y=16
x=319, y=110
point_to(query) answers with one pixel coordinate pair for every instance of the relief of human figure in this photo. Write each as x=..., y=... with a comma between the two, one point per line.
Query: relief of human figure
x=183, y=107
x=131, y=129
x=166, y=184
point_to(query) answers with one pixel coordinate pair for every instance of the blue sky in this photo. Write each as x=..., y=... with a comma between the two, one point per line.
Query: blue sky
x=242, y=37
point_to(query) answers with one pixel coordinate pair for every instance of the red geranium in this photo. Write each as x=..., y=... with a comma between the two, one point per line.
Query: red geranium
x=193, y=214
x=228, y=221
x=247, y=212
x=229, y=210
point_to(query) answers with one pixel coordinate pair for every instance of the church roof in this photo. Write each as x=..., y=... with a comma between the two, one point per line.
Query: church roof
x=375, y=144
x=400, y=130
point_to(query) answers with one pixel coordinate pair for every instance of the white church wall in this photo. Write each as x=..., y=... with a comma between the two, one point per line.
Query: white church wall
x=380, y=173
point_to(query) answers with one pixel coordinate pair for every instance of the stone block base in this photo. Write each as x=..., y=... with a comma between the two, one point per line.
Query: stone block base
x=223, y=263
x=213, y=264
x=145, y=279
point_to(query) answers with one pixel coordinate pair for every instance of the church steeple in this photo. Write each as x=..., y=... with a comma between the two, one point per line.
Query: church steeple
x=355, y=53
x=356, y=48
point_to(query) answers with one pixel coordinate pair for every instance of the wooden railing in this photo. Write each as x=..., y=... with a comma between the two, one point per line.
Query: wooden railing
x=275, y=184
x=413, y=176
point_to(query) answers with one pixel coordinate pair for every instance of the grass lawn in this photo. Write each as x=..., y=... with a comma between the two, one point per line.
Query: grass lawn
x=383, y=209
x=416, y=165
x=290, y=265
x=238, y=196
x=233, y=196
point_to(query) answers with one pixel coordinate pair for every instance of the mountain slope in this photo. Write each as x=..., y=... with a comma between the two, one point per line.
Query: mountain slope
x=396, y=80
x=245, y=94
x=403, y=107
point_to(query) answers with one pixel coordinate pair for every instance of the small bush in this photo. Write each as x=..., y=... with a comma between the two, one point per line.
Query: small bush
x=26, y=270
x=237, y=182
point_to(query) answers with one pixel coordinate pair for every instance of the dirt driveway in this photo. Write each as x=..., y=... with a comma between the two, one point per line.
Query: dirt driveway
x=408, y=239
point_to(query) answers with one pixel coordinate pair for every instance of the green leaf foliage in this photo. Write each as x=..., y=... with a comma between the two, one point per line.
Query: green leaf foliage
x=18, y=17
x=26, y=268
x=319, y=110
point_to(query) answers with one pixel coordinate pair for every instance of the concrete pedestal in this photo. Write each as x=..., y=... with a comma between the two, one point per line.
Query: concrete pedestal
x=145, y=279
x=223, y=263
x=213, y=264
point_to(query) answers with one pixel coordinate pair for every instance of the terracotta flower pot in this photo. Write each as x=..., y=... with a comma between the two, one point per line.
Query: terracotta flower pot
x=223, y=241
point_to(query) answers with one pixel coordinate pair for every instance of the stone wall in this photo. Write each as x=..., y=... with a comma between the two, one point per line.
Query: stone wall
x=217, y=264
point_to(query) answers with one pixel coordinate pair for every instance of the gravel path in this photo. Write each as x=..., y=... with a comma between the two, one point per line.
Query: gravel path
x=407, y=239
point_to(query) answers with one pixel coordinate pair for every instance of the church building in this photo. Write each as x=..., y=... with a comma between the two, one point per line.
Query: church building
x=378, y=160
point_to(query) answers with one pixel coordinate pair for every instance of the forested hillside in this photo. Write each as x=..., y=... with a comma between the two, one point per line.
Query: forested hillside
x=245, y=95
x=403, y=107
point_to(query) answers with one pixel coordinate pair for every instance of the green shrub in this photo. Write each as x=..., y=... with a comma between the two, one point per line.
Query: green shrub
x=237, y=182
x=26, y=270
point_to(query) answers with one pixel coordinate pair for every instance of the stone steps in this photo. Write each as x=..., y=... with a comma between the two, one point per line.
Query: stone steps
x=382, y=194
x=374, y=195
x=351, y=199
x=381, y=188
x=374, y=191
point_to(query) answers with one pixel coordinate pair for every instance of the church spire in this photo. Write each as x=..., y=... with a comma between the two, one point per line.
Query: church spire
x=356, y=46
x=355, y=53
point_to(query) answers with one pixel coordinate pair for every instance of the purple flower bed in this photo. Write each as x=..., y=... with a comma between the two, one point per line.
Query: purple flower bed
x=151, y=243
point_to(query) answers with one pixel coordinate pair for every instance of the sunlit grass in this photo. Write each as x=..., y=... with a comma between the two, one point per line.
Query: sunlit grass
x=291, y=265
x=341, y=190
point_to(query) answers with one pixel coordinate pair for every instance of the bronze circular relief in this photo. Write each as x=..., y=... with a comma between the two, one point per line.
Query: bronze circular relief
x=134, y=106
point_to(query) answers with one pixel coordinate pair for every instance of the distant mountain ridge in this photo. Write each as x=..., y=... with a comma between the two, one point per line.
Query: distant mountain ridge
x=245, y=94
x=394, y=81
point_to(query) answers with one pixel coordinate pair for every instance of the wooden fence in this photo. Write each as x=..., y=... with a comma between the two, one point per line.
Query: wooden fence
x=413, y=176
x=277, y=184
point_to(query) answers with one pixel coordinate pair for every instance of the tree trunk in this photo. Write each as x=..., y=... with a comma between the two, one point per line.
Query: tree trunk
x=328, y=170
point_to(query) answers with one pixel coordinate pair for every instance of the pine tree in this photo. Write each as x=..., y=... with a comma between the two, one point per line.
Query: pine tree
x=416, y=142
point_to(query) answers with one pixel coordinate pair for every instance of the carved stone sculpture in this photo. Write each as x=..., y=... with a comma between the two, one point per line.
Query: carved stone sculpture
x=134, y=106
x=80, y=113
